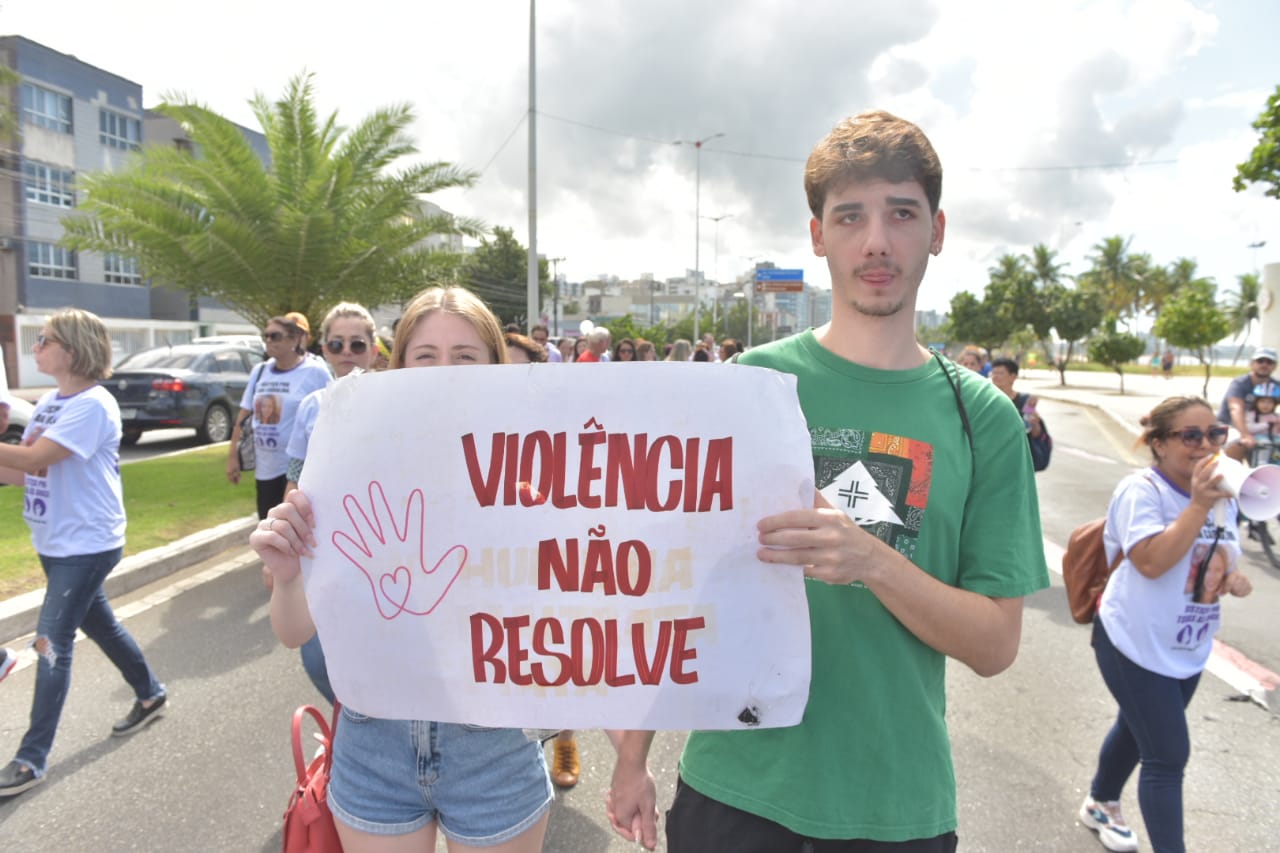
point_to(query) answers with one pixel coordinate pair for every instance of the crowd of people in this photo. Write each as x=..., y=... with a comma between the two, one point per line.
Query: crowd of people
x=870, y=765
x=596, y=346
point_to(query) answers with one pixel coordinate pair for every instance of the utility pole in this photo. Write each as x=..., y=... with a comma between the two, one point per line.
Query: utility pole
x=531, y=289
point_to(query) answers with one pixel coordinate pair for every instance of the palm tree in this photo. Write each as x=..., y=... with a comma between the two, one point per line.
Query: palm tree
x=1044, y=265
x=325, y=218
x=1115, y=275
x=1242, y=308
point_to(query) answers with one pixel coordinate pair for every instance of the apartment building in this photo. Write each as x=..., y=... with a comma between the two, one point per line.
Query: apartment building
x=70, y=117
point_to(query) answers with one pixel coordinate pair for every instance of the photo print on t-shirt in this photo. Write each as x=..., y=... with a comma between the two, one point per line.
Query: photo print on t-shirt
x=881, y=481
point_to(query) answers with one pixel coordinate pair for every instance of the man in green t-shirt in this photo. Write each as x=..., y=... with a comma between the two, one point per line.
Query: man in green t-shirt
x=922, y=543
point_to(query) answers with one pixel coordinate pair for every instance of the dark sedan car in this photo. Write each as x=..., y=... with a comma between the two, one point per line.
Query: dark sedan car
x=195, y=386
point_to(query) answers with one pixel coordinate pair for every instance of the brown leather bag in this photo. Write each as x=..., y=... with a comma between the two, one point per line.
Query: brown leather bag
x=1085, y=569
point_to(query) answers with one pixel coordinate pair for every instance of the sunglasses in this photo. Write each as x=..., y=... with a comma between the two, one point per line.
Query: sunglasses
x=45, y=340
x=357, y=345
x=273, y=337
x=1192, y=436
x=1263, y=361
x=626, y=352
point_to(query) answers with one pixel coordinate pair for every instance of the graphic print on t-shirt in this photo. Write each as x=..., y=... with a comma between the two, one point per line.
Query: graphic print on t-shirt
x=881, y=481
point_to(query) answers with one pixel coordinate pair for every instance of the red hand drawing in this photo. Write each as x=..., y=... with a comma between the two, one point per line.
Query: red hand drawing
x=397, y=588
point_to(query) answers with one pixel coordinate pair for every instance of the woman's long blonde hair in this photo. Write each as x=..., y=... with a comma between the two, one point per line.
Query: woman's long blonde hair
x=451, y=300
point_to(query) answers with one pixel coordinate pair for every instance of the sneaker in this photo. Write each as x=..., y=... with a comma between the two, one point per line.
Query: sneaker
x=7, y=662
x=565, y=767
x=1106, y=820
x=17, y=777
x=139, y=716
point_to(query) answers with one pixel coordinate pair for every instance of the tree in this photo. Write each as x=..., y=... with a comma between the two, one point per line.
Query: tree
x=9, y=77
x=1075, y=314
x=1263, y=165
x=980, y=321
x=1115, y=349
x=1115, y=275
x=498, y=272
x=323, y=220
x=1241, y=306
x=1194, y=321
x=1045, y=266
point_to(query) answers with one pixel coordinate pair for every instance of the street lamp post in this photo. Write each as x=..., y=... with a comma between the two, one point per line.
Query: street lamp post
x=751, y=296
x=555, y=295
x=1256, y=245
x=697, y=223
x=715, y=270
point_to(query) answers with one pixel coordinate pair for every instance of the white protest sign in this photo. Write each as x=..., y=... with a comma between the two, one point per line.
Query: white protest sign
x=552, y=546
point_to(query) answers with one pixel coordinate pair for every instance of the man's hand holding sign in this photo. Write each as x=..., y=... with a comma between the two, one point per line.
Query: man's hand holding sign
x=551, y=548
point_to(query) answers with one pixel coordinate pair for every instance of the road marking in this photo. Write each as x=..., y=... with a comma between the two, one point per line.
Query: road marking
x=1084, y=454
x=1239, y=672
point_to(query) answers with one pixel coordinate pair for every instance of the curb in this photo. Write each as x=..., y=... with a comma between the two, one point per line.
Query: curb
x=18, y=615
x=1062, y=397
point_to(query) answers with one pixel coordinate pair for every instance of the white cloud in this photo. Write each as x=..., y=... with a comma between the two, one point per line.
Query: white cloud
x=999, y=85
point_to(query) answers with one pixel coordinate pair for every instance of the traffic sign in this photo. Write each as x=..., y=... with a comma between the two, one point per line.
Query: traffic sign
x=780, y=287
x=780, y=274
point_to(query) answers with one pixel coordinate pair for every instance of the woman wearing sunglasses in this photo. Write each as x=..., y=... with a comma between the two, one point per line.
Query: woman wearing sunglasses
x=286, y=377
x=1157, y=618
x=69, y=464
x=349, y=346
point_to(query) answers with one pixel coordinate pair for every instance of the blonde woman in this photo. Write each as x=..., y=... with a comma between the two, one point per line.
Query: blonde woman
x=69, y=463
x=349, y=341
x=489, y=787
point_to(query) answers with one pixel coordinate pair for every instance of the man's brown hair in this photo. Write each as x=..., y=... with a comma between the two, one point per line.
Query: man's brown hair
x=870, y=146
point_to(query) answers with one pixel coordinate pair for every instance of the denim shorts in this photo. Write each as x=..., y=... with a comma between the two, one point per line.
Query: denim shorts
x=391, y=777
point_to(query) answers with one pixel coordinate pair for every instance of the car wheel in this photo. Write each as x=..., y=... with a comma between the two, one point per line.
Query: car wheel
x=216, y=426
x=130, y=436
x=13, y=435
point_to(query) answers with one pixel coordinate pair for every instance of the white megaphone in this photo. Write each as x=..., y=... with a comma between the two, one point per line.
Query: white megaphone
x=1257, y=490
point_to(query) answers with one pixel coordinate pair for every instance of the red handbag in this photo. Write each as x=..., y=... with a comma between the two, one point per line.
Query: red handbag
x=308, y=823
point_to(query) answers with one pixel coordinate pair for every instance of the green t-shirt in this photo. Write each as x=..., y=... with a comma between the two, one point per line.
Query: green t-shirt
x=872, y=759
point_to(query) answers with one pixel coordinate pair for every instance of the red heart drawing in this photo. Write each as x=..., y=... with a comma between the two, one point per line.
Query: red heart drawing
x=401, y=583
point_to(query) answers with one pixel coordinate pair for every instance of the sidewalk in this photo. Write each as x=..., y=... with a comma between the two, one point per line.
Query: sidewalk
x=1101, y=390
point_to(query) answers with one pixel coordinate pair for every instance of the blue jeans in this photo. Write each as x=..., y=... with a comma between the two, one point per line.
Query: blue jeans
x=317, y=671
x=1152, y=728
x=74, y=599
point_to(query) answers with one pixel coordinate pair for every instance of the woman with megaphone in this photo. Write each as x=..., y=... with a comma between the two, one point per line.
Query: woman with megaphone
x=1158, y=616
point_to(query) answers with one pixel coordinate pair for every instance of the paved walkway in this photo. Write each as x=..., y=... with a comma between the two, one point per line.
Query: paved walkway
x=1102, y=391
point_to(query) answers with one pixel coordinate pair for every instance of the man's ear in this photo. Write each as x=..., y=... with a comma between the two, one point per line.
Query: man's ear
x=939, y=230
x=815, y=235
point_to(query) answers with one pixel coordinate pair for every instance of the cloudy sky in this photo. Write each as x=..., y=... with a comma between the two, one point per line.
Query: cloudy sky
x=1059, y=122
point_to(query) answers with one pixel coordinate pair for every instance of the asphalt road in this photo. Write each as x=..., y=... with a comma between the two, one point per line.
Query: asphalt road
x=215, y=772
x=160, y=442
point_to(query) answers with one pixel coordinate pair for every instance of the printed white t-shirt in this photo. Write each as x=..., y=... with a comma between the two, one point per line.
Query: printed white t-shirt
x=76, y=506
x=1153, y=621
x=273, y=397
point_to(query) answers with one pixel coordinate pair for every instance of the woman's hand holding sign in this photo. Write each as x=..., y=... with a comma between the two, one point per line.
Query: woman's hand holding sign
x=284, y=536
x=281, y=540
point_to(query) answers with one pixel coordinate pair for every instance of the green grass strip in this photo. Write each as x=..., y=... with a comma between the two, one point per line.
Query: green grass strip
x=165, y=500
